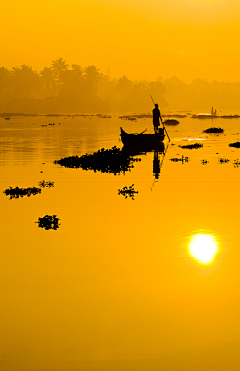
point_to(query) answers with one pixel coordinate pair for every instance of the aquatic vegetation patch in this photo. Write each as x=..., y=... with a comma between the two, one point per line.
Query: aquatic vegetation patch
x=130, y=118
x=135, y=117
x=223, y=160
x=230, y=117
x=149, y=115
x=21, y=192
x=103, y=116
x=112, y=160
x=235, y=145
x=44, y=184
x=204, y=162
x=175, y=115
x=192, y=146
x=48, y=222
x=236, y=163
x=171, y=122
x=182, y=159
x=204, y=116
x=213, y=130
x=128, y=192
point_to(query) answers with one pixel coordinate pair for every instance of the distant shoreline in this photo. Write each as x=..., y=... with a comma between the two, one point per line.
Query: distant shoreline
x=134, y=116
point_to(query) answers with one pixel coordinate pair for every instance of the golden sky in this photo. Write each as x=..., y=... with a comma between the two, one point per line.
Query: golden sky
x=142, y=39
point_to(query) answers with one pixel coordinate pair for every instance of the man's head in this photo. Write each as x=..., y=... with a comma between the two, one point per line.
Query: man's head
x=156, y=105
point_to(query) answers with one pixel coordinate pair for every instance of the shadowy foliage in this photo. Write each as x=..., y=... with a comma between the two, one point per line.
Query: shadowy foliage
x=171, y=122
x=182, y=159
x=111, y=160
x=20, y=192
x=223, y=160
x=192, y=146
x=48, y=222
x=64, y=88
x=44, y=184
x=236, y=163
x=128, y=192
x=213, y=131
x=235, y=145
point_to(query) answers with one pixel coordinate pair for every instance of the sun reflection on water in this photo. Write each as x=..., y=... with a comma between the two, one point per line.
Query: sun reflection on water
x=203, y=247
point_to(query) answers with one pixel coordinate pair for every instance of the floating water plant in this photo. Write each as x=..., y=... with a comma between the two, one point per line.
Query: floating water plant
x=213, y=131
x=148, y=115
x=235, y=145
x=44, y=184
x=230, y=117
x=192, y=146
x=204, y=162
x=128, y=191
x=130, y=118
x=182, y=159
x=111, y=160
x=171, y=122
x=20, y=192
x=48, y=222
x=223, y=160
x=236, y=163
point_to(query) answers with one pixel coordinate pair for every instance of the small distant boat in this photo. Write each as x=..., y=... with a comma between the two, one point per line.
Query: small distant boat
x=141, y=139
x=206, y=115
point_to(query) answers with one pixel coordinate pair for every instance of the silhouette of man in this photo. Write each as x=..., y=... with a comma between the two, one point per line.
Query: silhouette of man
x=156, y=116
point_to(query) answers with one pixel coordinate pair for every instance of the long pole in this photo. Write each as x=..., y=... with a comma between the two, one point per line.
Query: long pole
x=161, y=120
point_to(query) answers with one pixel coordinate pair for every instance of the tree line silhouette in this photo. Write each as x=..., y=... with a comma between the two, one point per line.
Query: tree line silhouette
x=61, y=88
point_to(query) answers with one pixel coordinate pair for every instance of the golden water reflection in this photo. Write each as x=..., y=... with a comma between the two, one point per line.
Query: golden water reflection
x=203, y=248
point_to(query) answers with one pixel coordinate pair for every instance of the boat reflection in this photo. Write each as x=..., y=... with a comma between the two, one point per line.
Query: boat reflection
x=158, y=157
x=203, y=248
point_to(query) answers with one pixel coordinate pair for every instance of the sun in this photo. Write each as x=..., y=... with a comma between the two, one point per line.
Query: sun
x=203, y=247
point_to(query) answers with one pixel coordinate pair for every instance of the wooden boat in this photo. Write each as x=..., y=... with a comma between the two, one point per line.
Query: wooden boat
x=143, y=149
x=142, y=140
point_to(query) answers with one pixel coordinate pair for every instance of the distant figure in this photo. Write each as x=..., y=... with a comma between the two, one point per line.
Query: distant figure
x=156, y=117
x=213, y=113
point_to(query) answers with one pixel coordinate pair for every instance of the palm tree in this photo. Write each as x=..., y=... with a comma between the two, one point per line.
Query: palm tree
x=28, y=80
x=58, y=67
x=4, y=81
x=25, y=82
x=124, y=84
x=91, y=78
x=48, y=80
x=78, y=74
x=15, y=75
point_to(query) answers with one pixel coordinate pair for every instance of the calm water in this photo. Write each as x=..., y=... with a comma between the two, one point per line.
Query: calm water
x=122, y=284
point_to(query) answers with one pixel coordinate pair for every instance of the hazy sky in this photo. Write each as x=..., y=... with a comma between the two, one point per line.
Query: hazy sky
x=142, y=39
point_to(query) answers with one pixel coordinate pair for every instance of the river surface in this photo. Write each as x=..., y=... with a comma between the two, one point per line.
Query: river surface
x=145, y=283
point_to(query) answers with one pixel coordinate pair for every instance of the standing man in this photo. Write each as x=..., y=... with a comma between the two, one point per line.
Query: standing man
x=156, y=117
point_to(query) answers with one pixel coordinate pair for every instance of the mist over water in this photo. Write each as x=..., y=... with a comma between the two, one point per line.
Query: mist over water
x=112, y=282
x=63, y=88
